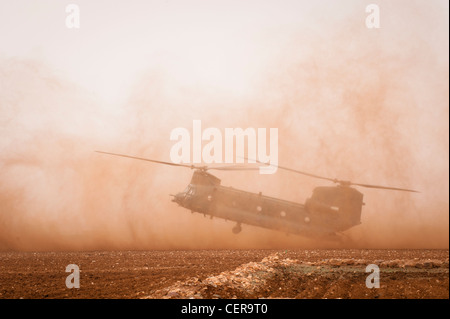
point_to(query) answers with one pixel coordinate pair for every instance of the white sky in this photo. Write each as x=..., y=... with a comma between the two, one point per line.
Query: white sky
x=197, y=42
x=220, y=43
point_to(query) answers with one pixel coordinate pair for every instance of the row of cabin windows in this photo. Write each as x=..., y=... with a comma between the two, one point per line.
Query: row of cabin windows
x=259, y=209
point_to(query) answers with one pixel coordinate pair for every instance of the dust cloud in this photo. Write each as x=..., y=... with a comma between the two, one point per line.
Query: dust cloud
x=370, y=106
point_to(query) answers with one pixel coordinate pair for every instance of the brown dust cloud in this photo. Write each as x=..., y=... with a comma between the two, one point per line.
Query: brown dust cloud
x=370, y=106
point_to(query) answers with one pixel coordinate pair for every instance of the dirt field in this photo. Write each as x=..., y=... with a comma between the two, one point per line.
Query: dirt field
x=226, y=274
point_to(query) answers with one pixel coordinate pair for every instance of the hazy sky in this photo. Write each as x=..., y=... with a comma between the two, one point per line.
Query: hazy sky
x=197, y=42
x=224, y=44
x=367, y=105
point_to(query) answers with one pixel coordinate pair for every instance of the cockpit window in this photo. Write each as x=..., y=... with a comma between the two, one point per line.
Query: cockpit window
x=190, y=191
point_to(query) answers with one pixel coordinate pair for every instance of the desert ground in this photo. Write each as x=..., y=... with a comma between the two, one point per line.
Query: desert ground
x=226, y=274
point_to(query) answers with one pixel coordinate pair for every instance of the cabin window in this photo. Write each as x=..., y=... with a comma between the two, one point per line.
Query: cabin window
x=189, y=190
x=283, y=213
x=258, y=208
x=307, y=219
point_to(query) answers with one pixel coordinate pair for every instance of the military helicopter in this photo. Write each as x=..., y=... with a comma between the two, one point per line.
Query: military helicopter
x=327, y=213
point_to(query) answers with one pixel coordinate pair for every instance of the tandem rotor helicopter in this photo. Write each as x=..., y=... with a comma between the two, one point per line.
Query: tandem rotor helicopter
x=329, y=211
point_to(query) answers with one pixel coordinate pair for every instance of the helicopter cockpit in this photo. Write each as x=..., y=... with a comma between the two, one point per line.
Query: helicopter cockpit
x=189, y=191
x=184, y=196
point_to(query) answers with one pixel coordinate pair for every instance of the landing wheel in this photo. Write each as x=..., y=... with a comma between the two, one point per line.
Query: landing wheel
x=237, y=229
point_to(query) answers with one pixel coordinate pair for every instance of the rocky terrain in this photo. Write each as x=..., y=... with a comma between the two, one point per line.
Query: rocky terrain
x=211, y=274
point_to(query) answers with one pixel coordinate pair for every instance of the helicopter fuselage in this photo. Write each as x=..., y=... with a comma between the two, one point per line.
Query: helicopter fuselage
x=329, y=210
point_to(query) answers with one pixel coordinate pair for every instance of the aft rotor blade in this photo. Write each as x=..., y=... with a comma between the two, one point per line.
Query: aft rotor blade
x=149, y=160
x=350, y=183
x=386, y=187
x=341, y=181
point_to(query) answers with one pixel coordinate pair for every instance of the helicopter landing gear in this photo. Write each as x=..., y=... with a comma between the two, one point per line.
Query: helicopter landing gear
x=344, y=240
x=237, y=229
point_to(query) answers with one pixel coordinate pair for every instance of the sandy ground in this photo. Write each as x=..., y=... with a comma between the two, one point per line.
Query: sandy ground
x=226, y=274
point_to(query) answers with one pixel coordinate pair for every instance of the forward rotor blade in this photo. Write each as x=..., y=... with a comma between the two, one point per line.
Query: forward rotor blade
x=307, y=174
x=233, y=168
x=386, y=187
x=297, y=171
x=150, y=160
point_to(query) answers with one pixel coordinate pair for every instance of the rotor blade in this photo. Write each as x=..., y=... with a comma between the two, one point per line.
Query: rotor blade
x=296, y=171
x=340, y=181
x=386, y=187
x=351, y=183
x=149, y=160
x=307, y=174
x=233, y=168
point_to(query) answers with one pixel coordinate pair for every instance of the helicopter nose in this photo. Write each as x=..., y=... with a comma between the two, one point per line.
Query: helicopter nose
x=178, y=198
